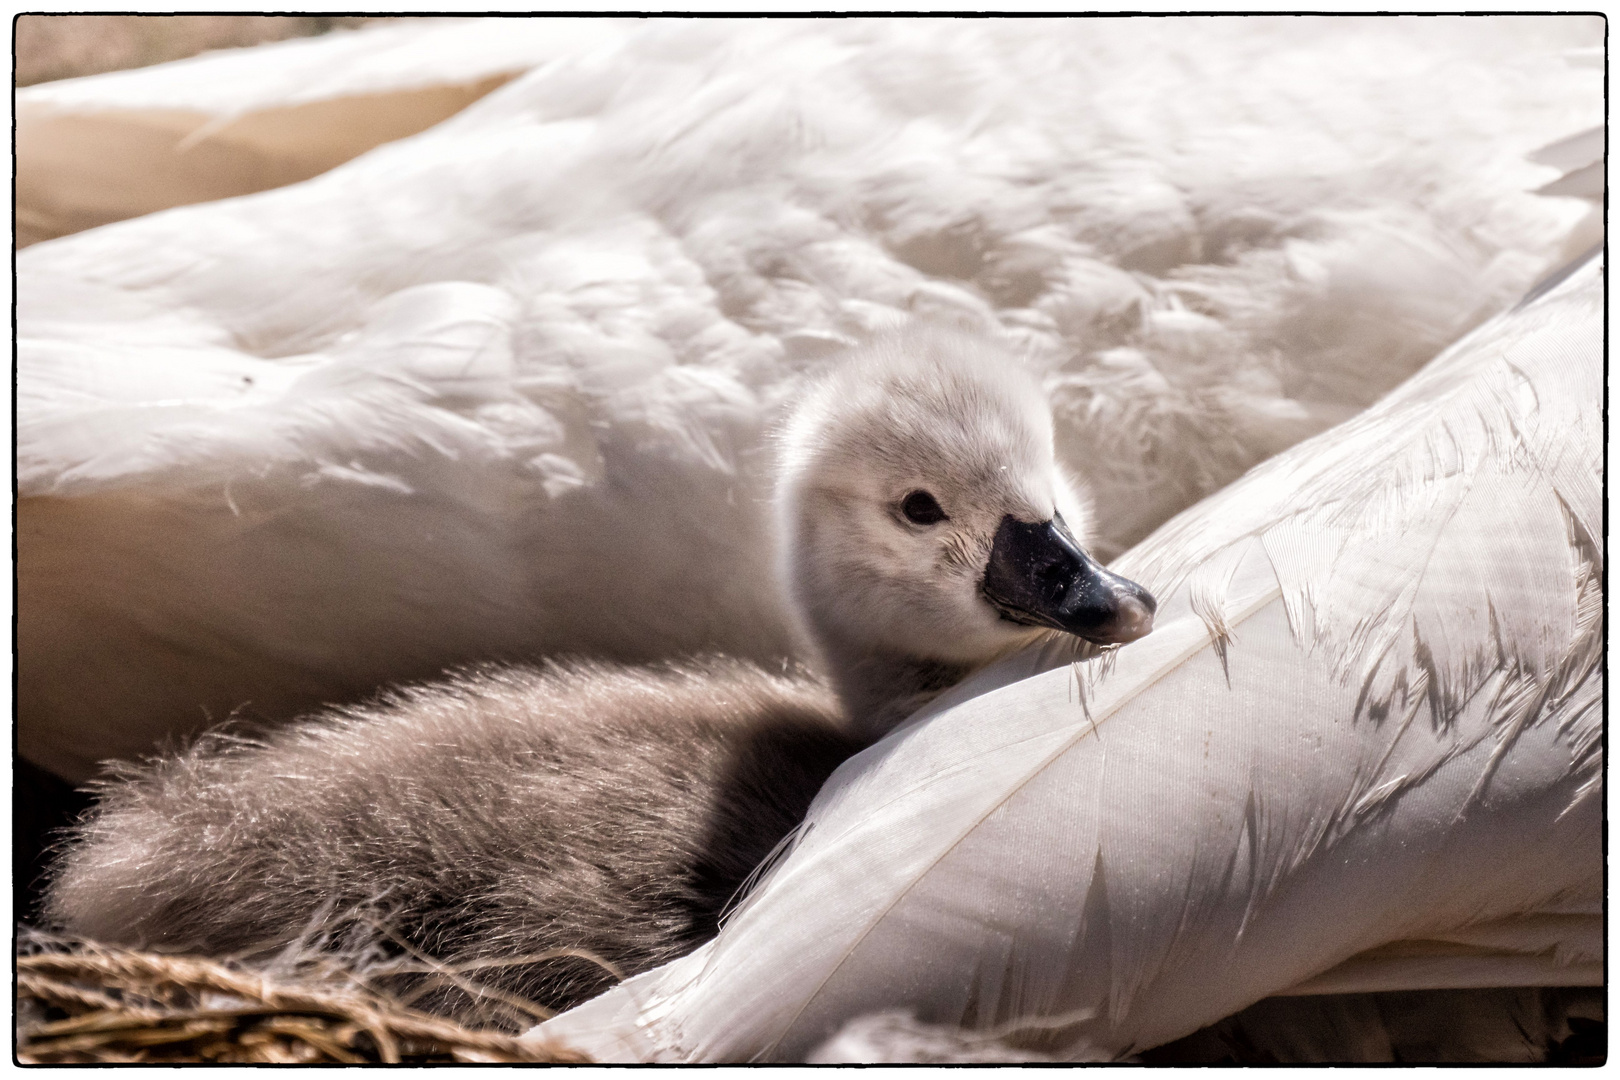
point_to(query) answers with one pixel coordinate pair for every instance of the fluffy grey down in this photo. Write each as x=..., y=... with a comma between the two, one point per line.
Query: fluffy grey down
x=606, y=809
x=439, y=817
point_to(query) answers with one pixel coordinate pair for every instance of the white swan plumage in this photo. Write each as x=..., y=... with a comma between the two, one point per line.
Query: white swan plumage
x=477, y=392
x=1363, y=751
x=1160, y=295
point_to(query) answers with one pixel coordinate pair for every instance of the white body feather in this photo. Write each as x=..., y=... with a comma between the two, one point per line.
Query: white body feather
x=109, y=147
x=483, y=392
x=1361, y=751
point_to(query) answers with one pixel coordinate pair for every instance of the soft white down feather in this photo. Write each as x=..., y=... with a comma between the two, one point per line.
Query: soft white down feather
x=1361, y=751
x=498, y=390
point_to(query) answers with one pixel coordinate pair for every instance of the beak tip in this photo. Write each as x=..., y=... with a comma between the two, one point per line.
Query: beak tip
x=1135, y=620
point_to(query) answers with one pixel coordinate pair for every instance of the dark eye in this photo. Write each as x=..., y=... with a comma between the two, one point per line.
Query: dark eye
x=921, y=508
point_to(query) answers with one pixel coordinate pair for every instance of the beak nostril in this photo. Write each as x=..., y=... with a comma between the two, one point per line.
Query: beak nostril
x=1056, y=576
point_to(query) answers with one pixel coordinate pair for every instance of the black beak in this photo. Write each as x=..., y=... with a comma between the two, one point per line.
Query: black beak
x=1039, y=576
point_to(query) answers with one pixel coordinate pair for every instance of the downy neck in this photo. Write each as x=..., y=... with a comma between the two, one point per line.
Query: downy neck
x=878, y=689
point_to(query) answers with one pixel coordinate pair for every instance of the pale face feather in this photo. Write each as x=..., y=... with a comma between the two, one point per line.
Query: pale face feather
x=929, y=411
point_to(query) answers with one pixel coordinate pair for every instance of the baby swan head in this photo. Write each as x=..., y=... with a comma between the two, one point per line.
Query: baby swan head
x=926, y=528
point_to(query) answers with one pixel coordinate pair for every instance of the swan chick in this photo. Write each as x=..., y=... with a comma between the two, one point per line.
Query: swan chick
x=925, y=527
x=543, y=831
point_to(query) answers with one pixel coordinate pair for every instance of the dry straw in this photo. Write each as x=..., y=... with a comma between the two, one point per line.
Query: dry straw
x=79, y=1002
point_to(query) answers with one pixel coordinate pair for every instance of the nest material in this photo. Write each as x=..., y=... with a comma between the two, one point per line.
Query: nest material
x=88, y=1003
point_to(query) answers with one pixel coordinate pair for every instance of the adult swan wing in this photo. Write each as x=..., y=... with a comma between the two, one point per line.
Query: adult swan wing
x=1361, y=752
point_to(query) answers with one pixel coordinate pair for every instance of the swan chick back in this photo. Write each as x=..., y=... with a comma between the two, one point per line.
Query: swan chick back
x=504, y=813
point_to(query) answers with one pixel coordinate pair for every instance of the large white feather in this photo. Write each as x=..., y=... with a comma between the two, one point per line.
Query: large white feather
x=108, y=147
x=1361, y=751
x=500, y=389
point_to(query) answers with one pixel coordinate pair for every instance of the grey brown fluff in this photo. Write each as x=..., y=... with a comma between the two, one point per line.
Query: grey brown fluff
x=501, y=814
x=509, y=811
